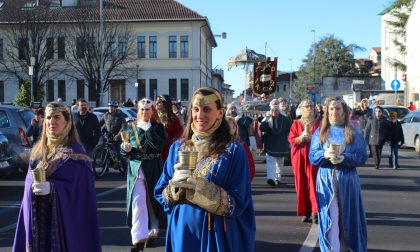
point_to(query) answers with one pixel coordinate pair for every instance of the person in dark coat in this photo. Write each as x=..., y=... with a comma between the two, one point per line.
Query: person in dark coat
x=87, y=126
x=395, y=137
x=376, y=132
x=35, y=129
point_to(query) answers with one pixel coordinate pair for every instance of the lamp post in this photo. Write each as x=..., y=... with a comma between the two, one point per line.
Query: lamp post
x=290, y=81
x=314, y=54
x=100, y=40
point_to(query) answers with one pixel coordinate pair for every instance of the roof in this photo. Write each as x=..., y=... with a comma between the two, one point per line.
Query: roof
x=124, y=10
x=376, y=49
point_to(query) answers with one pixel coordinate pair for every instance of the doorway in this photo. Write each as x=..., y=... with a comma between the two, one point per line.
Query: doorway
x=117, y=88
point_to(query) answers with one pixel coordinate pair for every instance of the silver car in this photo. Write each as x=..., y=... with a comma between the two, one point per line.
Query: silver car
x=6, y=165
x=411, y=129
x=14, y=122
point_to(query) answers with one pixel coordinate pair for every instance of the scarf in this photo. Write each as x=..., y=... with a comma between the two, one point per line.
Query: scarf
x=307, y=116
x=55, y=141
x=200, y=139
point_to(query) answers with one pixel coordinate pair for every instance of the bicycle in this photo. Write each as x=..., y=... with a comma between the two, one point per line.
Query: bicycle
x=105, y=156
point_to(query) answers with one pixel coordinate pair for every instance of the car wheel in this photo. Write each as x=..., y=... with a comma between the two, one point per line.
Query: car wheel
x=417, y=144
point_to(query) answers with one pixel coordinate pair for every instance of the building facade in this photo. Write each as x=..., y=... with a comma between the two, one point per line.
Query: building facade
x=170, y=53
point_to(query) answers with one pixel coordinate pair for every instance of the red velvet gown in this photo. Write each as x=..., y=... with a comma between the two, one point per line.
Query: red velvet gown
x=305, y=172
x=174, y=131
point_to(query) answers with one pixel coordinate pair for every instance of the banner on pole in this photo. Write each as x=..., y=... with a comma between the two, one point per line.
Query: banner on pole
x=264, y=79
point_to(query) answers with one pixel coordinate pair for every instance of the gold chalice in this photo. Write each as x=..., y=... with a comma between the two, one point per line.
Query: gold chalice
x=39, y=175
x=187, y=159
x=308, y=128
x=336, y=148
x=125, y=136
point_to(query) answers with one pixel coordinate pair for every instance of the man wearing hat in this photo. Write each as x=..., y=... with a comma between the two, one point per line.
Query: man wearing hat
x=275, y=129
x=114, y=122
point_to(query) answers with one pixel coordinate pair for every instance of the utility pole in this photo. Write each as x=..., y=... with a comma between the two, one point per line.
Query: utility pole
x=314, y=55
x=100, y=40
x=290, y=81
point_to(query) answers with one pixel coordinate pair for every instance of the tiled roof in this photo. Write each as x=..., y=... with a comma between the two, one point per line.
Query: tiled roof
x=123, y=10
x=376, y=49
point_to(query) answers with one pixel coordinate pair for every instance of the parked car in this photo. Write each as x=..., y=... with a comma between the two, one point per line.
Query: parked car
x=401, y=110
x=14, y=122
x=6, y=164
x=411, y=129
x=128, y=113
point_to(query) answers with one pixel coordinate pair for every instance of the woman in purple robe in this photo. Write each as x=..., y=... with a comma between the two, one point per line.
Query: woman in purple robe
x=58, y=211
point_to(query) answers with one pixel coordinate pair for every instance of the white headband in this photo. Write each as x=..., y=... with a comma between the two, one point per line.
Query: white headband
x=145, y=103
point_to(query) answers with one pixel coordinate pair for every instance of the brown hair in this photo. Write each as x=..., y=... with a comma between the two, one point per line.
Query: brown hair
x=40, y=150
x=221, y=137
x=324, y=129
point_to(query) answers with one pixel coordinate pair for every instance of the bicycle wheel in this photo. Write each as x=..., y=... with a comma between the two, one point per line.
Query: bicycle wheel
x=100, y=161
x=123, y=165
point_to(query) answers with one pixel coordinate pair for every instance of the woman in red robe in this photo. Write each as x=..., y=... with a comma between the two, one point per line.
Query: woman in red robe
x=170, y=120
x=305, y=173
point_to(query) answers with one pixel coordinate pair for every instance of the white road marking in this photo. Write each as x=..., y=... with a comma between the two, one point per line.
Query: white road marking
x=311, y=240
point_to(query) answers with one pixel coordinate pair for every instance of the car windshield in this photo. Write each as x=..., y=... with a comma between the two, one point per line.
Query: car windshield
x=131, y=112
x=401, y=112
x=26, y=116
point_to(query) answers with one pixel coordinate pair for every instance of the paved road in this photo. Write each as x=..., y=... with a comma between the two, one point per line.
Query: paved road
x=391, y=197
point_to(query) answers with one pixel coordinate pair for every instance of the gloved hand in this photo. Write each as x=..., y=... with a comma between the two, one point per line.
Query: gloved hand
x=41, y=188
x=126, y=146
x=337, y=160
x=329, y=153
x=181, y=175
x=203, y=193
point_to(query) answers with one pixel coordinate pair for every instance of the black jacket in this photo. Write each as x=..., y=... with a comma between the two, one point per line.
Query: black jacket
x=395, y=132
x=89, y=130
x=376, y=129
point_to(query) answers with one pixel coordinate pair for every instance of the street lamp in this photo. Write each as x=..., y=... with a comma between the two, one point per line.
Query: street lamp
x=290, y=81
x=314, y=54
x=100, y=40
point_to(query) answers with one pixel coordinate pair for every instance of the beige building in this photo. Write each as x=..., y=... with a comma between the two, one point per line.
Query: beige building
x=171, y=52
x=413, y=56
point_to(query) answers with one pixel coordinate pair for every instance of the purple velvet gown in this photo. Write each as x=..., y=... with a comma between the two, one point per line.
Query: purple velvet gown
x=67, y=218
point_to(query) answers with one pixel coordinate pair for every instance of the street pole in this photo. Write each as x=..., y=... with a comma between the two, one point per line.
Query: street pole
x=31, y=74
x=100, y=40
x=290, y=81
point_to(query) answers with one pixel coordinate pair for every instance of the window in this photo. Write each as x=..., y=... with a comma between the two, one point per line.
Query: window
x=50, y=48
x=50, y=90
x=172, y=46
x=23, y=49
x=61, y=48
x=141, y=47
x=284, y=88
x=122, y=46
x=111, y=48
x=92, y=91
x=1, y=91
x=4, y=120
x=184, y=90
x=152, y=89
x=184, y=46
x=62, y=89
x=172, y=88
x=1, y=49
x=80, y=89
x=152, y=47
x=80, y=47
x=141, y=88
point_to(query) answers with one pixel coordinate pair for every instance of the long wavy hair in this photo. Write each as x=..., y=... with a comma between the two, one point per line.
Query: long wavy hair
x=40, y=150
x=325, y=124
x=167, y=104
x=221, y=137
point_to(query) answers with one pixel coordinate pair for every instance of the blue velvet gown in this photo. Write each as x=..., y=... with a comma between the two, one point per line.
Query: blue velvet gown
x=350, y=202
x=192, y=228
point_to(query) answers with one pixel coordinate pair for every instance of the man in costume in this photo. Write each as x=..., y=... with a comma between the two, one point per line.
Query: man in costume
x=275, y=129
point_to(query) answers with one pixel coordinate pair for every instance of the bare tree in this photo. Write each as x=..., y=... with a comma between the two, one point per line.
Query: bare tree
x=29, y=31
x=93, y=52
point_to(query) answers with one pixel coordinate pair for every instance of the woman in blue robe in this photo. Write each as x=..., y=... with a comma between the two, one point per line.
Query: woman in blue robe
x=210, y=208
x=338, y=148
x=58, y=212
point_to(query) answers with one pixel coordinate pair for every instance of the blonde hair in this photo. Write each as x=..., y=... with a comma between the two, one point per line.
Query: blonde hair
x=40, y=150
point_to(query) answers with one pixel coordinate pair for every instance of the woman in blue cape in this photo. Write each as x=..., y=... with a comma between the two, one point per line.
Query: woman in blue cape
x=58, y=211
x=210, y=208
x=338, y=148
